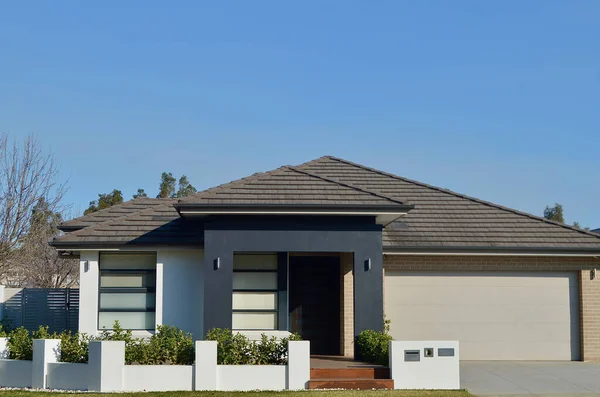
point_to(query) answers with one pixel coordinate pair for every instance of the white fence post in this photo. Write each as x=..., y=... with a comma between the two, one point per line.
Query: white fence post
x=205, y=370
x=298, y=364
x=44, y=351
x=106, y=360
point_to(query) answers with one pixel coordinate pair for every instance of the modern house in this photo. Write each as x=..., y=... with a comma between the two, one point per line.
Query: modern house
x=326, y=249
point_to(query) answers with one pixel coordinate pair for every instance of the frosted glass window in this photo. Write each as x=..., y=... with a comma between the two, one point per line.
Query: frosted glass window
x=128, y=261
x=256, y=280
x=127, y=320
x=128, y=280
x=255, y=301
x=258, y=321
x=255, y=262
x=121, y=301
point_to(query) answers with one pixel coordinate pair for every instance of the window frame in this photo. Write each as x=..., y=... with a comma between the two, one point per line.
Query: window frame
x=126, y=290
x=275, y=290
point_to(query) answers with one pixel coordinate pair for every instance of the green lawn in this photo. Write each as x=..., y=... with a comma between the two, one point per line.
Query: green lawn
x=316, y=393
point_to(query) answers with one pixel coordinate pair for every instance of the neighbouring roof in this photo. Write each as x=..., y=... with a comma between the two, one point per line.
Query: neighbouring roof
x=440, y=220
x=596, y=230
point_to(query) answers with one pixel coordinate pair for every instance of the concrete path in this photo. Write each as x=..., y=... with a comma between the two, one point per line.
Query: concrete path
x=552, y=379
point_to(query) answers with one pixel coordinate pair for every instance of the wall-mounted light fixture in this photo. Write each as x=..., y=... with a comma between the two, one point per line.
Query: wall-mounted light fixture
x=367, y=264
x=217, y=263
x=86, y=266
x=593, y=274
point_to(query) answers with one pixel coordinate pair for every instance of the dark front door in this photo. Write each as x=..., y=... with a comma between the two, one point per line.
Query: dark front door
x=314, y=301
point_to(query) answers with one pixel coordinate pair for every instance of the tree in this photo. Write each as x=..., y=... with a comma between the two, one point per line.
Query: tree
x=578, y=226
x=554, y=213
x=167, y=186
x=105, y=200
x=185, y=188
x=26, y=176
x=37, y=264
x=140, y=193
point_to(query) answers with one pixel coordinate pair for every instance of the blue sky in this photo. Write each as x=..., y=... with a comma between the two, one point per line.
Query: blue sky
x=498, y=100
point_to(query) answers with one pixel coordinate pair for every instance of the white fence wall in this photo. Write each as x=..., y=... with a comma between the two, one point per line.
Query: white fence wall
x=15, y=373
x=251, y=377
x=158, y=377
x=106, y=371
x=68, y=376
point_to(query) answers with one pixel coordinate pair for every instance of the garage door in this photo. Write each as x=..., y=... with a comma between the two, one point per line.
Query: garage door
x=494, y=316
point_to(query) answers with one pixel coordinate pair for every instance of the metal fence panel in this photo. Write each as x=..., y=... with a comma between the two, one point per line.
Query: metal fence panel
x=56, y=308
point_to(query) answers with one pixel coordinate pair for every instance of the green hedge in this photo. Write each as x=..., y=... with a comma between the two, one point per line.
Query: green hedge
x=373, y=346
x=169, y=345
x=236, y=349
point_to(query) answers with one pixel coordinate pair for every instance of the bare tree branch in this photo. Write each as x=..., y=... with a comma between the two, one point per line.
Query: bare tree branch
x=27, y=175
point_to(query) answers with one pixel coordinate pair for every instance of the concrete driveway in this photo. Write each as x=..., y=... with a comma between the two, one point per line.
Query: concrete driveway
x=530, y=378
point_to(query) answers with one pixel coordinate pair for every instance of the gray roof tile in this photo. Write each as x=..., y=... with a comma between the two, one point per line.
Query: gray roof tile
x=441, y=218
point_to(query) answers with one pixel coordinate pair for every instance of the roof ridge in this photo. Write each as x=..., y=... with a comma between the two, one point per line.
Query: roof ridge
x=488, y=203
x=345, y=184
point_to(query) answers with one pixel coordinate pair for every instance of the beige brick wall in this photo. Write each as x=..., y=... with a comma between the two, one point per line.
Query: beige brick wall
x=347, y=304
x=589, y=291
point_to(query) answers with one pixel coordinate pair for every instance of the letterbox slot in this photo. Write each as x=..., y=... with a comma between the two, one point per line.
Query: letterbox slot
x=446, y=352
x=412, y=355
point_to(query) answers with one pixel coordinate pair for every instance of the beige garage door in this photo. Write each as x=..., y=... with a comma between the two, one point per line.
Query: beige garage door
x=495, y=316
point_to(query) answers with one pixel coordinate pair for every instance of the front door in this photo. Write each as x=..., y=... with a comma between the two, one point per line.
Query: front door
x=314, y=301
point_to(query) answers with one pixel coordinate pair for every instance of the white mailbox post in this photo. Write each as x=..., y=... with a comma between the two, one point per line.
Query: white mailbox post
x=425, y=364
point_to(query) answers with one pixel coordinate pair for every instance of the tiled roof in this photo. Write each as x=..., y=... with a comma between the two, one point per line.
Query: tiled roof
x=289, y=186
x=156, y=225
x=441, y=219
x=116, y=211
x=596, y=230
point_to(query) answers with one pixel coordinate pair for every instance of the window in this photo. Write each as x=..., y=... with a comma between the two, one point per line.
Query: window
x=255, y=292
x=127, y=290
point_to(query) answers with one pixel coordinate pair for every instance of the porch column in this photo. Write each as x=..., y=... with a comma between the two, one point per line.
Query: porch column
x=218, y=286
x=368, y=290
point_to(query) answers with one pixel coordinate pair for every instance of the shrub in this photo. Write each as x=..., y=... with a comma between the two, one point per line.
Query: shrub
x=236, y=349
x=20, y=344
x=74, y=348
x=3, y=333
x=373, y=346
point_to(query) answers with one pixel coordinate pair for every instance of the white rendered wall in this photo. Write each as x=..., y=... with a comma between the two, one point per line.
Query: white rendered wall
x=158, y=377
x=4, y=353
x=88, y=292
x=434, y=372
x=68, y=376
x=15, y=373
x=251, y=377
x=180, y=301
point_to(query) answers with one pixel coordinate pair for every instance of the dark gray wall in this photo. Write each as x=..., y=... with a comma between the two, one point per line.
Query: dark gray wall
x=361, y=236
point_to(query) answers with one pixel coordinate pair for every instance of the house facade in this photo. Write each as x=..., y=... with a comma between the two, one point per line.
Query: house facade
x=330, y=248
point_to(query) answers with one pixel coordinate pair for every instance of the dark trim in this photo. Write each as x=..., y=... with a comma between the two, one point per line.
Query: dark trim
x=128, y=271
x=128, y=290
x=146, y=310
x=255, y=270
x=68, y=229
x=282, y=286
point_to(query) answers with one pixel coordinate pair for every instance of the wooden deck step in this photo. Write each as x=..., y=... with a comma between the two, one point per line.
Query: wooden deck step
x=351, y=384
x=350, y=373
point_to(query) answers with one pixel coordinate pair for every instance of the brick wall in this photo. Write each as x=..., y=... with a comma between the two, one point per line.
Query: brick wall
x=589, y=289
x=347, y=304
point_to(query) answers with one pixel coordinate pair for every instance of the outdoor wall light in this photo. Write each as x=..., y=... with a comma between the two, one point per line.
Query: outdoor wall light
x=86, y=266
x=368, y=265
x=593, y=274
x=217, y=263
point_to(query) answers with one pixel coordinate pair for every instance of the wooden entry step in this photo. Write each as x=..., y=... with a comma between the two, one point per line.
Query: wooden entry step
x=351, y=384
x=351, y=378
x=350, y=373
